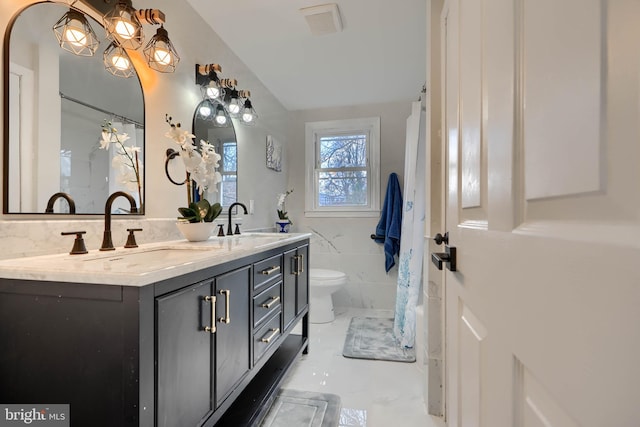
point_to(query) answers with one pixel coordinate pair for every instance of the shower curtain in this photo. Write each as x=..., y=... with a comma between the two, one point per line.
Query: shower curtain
x=412, y=241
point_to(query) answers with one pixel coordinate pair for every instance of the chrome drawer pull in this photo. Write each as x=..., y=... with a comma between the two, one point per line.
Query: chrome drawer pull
x=275, y=331
x=269, y=304
x=271, y=270
x=212, y=328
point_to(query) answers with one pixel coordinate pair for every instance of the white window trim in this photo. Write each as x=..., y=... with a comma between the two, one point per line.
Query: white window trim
x=371, y=125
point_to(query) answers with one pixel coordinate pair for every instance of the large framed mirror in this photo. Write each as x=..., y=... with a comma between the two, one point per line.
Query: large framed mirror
x=223, y=137
x=56, y=105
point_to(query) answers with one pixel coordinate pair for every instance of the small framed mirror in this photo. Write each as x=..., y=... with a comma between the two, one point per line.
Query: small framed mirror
x=55, y=105
x=223, y=137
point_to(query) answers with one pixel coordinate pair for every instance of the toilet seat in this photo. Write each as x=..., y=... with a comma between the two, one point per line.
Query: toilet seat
x=327, y=277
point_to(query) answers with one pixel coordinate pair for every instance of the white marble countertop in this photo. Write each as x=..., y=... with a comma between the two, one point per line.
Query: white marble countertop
x=146, y=264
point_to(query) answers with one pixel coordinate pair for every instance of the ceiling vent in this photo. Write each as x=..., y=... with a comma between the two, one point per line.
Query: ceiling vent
x=323, y=19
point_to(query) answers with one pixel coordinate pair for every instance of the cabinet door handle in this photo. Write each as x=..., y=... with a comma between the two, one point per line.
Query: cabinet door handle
x=226, y=318
x=301, y=264
x=270, y=303
x=274, y=332
x=212, y=328
x=271, y=270
x=295, y=267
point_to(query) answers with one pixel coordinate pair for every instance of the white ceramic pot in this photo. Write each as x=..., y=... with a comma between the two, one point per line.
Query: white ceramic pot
x=196, y=231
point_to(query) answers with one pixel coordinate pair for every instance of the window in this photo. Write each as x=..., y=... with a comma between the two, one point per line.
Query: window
x=343, y=173
x=229, y=171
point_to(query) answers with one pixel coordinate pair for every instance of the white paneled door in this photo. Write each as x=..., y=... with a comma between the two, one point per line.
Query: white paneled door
x=541, y=127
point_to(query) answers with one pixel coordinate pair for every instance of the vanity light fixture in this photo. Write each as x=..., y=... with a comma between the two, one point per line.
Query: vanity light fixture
x=209, y=82
x=229, y=101
x=160, y=53
x=117, y=62
x=123, y=26
x=74, y=34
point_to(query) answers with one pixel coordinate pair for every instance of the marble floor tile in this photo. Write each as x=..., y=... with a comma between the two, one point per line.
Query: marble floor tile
x=374, y=393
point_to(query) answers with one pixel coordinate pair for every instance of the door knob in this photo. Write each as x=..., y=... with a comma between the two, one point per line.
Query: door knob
x=440, y=239
x=448, y=258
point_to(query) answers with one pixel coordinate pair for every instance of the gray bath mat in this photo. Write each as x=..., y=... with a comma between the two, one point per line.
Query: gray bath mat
x=372, y=338
x=293, y=408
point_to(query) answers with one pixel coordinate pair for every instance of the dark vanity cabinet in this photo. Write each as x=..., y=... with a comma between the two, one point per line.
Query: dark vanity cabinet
x=185, y=355
x=202, y=347
x=296, y=283
x=206, y=348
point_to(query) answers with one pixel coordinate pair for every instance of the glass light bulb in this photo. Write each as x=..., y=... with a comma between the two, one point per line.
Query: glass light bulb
x=125, y=29
x=120, y=62
x=205, y=111
x=221, y=119
x=76, y=37
x=162, y=56
x=213, y=92
x=234, y=108
x=247, y=117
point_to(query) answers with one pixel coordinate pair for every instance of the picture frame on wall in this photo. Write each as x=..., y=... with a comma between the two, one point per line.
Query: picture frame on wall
x=274, y=154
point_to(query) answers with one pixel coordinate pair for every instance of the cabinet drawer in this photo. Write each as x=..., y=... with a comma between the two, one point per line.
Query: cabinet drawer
x=267, y=271
x=266, y=336
x=267, y=302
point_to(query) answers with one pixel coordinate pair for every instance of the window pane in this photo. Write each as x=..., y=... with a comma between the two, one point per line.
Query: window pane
x=342, y=188
x=229, y=157
x=343, y=151
x=228, y=189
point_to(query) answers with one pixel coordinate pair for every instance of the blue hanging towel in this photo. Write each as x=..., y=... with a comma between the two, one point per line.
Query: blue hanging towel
x=390, y=224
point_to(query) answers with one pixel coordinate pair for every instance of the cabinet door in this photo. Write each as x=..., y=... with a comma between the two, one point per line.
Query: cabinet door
x=302, y=286
x=184, y=356
x=289, y=287
x=233, y=330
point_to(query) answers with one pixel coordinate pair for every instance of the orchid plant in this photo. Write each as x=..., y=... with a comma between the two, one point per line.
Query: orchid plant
x=283, y=215
x=200, y=164
x=126, y=160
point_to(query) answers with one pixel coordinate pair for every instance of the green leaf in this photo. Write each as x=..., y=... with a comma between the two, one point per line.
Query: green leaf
x=214, y=212
x=188, y=214
x=202, y=209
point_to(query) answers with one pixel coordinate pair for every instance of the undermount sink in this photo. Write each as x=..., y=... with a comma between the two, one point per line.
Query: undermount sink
x=175, y=253
x=152, y=253
x=262, y=235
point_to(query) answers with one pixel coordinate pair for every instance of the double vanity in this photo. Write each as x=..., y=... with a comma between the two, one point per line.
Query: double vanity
x=167, y=334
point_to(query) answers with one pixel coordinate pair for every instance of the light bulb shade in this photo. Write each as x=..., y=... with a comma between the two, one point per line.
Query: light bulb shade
x=74, y=34
x=206, y=110
x=234, y=107
x=221, y=119
x=248, y=116
x=117, y=62
x=123, y=27
x=213, y=90
x=160, y=53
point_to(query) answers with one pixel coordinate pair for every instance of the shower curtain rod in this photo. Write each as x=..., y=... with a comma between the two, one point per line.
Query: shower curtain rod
x=110, y=113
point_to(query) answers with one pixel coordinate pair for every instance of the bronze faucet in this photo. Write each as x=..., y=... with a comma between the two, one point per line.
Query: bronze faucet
x=107, y=244
x=229, y=229
x=67, y=197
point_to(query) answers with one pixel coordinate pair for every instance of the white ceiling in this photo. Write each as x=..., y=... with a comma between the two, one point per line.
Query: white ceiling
x=379, y=56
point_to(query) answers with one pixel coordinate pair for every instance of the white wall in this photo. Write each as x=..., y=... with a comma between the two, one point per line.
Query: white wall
x=177, y=95
x=344, y=243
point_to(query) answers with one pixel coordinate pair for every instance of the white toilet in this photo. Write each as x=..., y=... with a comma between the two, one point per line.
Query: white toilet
x=322, y=284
